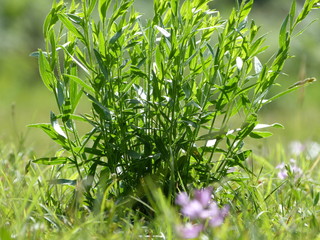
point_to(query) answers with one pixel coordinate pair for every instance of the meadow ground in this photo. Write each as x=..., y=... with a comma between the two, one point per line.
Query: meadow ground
x=278, y=202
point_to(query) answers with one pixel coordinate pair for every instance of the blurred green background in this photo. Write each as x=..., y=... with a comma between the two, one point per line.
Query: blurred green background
x=24, y=100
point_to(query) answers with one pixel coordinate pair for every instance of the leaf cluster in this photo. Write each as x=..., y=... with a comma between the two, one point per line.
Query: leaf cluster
x=173, y=98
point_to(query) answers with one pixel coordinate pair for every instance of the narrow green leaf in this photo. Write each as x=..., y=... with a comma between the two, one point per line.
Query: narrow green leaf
x=213, y=135
x=174, y=7
x=94, y=151
x=99, y=107
x=67, y=109
x=307, y=7
x=46, y=72
x=50, y=131
x=248, y=126
x=292, y=15
x=92, y=4
x=262, y=126
x=116, y=37
x=163, y=31
x=60, y=94
x=140, y=91
x=63, y=182
x=137, y=71
x=240, y=157
x=52, y=18
x=52, y=160
x=103, y=7
x=75, y=60
x=259, y=135
x=64, y=19
x=242, y=24
x=79, y=81
x=257, y=65
x=305, y=28
x=316, y=5
x=134, y=155
x=275, y=189
x=121, y=10
x=128, y=85
x=74, y=18
x=35, y=54
x=283, y=33
x=56, y=126
x=102, y=66
x=280, y=95
x=316, y=199
x=245, y=9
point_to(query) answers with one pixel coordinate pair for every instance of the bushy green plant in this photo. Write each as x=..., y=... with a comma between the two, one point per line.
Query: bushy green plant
x=173, y=97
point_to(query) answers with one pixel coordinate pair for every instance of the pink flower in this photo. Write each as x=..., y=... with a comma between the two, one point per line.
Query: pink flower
x=220, y=215
x=201, y=208
x=193, y=209
x=182, y=199
x=189, y=230
x=203, y=196
x=289, y=169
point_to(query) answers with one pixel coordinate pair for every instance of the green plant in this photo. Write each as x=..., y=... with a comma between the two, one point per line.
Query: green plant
x=173, y=98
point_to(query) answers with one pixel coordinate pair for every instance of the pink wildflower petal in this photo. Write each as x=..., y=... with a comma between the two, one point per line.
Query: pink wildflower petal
x=211, y=211
x=296, y=170
x=216, y=221
x=192, y=209
x=292, y=161
x=281, y=166
x=225, y=210
x=218, y=218
x=231, y=170
x=203, y=196
x=283, y=174
x=182, y=199
x=189, y=231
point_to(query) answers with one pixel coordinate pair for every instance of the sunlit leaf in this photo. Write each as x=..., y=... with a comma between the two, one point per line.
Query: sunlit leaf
x=79, y=81
x=52, y=160
x=257, y=65
x=163, y=31
x=46, y=72
x=256, y=134
x=56, y=126
x=239, y=63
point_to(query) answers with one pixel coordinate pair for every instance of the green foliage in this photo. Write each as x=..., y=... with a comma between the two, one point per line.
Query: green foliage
x=173, y=98
x=262, y=205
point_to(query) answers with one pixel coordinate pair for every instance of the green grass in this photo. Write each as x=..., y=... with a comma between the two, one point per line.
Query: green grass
x=262, y=206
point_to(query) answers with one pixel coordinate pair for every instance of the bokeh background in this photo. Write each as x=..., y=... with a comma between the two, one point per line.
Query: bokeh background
x=24, y=100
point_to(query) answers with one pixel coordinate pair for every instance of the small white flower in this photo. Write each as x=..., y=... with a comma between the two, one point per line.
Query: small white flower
x=313, y=150
x=296, y=148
